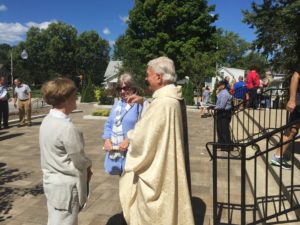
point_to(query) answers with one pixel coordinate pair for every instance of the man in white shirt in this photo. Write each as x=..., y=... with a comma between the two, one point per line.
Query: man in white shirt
x=3, y=103
x=23, y=94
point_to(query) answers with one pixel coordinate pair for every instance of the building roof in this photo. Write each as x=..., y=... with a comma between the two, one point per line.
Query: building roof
x=232, y=71
x=112, y=69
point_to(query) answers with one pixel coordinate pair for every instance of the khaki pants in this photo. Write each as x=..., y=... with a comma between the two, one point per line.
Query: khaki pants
x=24, y=109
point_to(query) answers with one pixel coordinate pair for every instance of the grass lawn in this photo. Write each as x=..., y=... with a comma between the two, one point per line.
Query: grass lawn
x=36, y=93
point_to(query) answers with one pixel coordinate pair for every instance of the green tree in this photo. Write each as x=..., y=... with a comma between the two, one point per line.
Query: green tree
x=188, y=93
x=20, y=66
x=5, y=56
x=253, y=58
x=35, y=68
x=231, y=48
x=234, y=51
x=166, y=27
x=58, y=50
x=278, y=31
x=199, y=67
x=88, y=93
x=61, y=48
x=51, y=52
x=92, y=55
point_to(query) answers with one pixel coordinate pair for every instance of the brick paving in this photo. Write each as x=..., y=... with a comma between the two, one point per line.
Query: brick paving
x=22, y=201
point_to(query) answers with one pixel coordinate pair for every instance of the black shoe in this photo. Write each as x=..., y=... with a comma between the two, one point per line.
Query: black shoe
x=29, y=125
x=6, y=127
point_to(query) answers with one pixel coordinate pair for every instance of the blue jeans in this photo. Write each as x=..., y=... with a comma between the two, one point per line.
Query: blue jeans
x=267, y=102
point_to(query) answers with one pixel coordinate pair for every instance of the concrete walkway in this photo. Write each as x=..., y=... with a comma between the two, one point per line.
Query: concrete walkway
x=22, y=201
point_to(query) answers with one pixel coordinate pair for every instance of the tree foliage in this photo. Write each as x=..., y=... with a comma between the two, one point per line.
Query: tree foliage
x=59, y=50
x=188, y=93
x=88, y=93
x=92, y=55
x=233, y=51
x=231, y=48
x=4, y=56
x=278, y=30
x=181, y=30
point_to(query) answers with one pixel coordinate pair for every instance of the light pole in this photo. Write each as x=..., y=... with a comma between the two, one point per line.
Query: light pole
x=24, y=55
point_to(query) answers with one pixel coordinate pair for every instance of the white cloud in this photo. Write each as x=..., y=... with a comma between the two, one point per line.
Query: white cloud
x=12, y=33
x=106, y=31
x=43, y=25
x=3, y=8
x=124, y=18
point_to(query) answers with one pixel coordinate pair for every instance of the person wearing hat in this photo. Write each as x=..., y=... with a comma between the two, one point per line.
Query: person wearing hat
x=223, y=114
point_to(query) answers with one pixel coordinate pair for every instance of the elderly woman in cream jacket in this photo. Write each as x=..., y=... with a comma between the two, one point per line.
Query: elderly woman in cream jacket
x=66, y=169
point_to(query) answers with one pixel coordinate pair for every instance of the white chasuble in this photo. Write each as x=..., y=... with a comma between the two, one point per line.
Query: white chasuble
x=153, y=188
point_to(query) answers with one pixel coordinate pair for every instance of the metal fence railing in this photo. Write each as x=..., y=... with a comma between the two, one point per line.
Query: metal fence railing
x=246, y=188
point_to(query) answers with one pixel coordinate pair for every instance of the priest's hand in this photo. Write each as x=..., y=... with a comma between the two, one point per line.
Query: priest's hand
x=123, y=146
x=135, y=99
x=107, y=145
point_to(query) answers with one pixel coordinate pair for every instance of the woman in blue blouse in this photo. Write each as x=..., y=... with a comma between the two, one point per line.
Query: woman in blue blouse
x=122, y=118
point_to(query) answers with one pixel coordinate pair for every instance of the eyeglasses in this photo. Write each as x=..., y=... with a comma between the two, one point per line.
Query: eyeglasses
x=123, y=88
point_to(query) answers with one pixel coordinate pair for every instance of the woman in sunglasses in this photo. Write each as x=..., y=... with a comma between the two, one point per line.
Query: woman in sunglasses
x=122, y=118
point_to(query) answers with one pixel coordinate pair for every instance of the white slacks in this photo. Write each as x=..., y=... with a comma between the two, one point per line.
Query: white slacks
x=64, y=217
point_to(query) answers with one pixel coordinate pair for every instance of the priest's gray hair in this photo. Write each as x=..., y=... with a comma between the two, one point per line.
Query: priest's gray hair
x=165, y=66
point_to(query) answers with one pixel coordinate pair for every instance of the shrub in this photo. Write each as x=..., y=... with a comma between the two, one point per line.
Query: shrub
x=188, y=93
x=97, y=93
x=88, y=92
x=101, y=112
x=105, y=97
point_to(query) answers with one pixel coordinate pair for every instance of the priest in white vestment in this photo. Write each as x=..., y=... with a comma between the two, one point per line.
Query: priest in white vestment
x=154, y=188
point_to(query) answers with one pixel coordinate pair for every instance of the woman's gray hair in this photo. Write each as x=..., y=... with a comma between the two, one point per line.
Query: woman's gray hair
x=127, y=79
x=165, y=66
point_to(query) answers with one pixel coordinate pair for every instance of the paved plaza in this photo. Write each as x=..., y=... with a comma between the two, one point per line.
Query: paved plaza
x=22, y=201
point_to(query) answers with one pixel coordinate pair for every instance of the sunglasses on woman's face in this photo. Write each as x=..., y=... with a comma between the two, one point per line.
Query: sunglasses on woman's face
x=124, y=88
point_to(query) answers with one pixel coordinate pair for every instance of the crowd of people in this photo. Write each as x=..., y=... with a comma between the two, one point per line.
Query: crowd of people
x=253, y=93
x=250, y=91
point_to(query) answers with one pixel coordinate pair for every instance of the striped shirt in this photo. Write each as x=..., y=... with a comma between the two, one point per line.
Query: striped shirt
x=224, y=100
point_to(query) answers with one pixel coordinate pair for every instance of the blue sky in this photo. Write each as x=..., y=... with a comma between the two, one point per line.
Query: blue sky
x=107, y=17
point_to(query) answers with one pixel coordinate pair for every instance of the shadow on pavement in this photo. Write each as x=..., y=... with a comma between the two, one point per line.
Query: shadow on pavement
x=9, y=194
x=9, y=136
x=36, y=123
x=3, y=132
x=199, y=210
